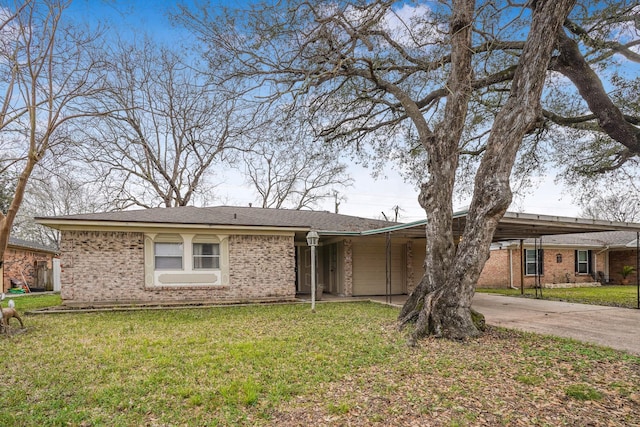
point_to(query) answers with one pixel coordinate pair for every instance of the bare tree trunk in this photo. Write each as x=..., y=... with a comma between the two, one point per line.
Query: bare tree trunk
x=6, y=221
x=441, y=303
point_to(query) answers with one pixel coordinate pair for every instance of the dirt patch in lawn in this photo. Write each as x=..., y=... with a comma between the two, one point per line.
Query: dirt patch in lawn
x=503, y=378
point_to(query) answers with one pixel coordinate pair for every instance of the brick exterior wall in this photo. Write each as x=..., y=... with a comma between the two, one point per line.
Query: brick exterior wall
x=496, y=270
x=108, y=267
x=261, y=267
x=618, y=259
x=100, y=267
x=19, y=261
x=495, y=273
x=564, y=272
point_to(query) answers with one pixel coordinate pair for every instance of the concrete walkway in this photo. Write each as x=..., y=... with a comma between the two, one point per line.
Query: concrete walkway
x=618, y=328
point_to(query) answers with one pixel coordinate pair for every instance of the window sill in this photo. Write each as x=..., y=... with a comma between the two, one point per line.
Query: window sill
x=187, y=287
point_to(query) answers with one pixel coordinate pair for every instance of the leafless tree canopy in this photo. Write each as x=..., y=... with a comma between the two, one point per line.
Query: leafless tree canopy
x=613, y=207
x=289, y=168
x=351, y=60
x=58, y=187
x=614, y=197
x=167, y=132
x=47, y=72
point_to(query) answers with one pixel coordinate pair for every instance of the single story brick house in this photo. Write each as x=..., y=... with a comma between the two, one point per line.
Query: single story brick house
x=236, y=254
x=222, y=254
x=561, y=260
x=25, y=260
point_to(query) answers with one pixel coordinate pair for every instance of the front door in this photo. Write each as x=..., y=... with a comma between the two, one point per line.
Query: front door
x=304, y=270
x=333, y=269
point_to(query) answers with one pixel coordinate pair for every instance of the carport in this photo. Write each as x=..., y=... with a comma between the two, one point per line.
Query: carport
x=513, y=226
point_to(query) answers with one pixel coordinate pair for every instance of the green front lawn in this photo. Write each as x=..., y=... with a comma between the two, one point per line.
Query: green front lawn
x=616, y=296
x=283, y=365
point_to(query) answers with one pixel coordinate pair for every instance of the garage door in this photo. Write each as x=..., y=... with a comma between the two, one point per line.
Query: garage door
x=369, y=268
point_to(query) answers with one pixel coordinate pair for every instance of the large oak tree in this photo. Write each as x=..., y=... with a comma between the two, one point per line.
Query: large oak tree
x=433, y=85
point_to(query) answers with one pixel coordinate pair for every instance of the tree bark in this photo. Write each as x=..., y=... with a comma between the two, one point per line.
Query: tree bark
x=441, y=303
x=572, y=65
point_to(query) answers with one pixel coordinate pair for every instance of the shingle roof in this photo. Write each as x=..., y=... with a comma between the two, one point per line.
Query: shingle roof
x=231, y=216
x=599, y=239
x=27, y=244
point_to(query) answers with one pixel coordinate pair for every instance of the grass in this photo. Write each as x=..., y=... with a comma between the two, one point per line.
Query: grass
x=27, y=302
x=583, y=392
x=616, y=296
x=283, y=365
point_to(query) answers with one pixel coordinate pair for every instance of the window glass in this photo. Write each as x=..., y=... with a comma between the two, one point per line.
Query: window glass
x=206, y=256
x=582, y=256
x=583, y=262
x=531, y=262
x=168, y=256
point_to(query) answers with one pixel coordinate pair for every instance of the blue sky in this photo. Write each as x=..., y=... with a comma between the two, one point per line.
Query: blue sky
x=126, y=16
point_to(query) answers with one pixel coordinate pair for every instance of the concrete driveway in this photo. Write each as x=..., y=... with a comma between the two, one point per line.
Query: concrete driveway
x=618, y=328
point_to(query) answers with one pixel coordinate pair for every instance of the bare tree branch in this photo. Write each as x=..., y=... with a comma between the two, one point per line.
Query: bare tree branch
x=49, y=71
x=167, y=127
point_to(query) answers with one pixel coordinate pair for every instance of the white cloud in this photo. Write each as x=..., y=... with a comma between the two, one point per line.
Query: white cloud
x=412, y=26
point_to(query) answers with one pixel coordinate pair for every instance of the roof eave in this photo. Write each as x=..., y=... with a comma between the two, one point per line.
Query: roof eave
x=34, y=249
x=61, y=224
x=580, y=223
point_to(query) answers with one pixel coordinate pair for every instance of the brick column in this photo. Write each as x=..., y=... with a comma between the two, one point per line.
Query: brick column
x=348, y=268
x=411, y=282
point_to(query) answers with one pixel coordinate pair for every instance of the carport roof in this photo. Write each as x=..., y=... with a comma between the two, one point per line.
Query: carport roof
x=514, y=226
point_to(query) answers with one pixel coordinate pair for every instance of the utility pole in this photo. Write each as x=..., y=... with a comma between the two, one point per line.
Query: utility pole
x=396, y=208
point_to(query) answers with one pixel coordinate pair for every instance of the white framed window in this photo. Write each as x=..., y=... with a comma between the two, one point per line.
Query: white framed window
x=168, y=256
x=533, y=262
x=168, y=253
x=186, y=259
x=206, y=256
x=583, y=262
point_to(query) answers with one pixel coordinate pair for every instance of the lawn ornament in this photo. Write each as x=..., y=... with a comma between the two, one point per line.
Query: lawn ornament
x=8, y=313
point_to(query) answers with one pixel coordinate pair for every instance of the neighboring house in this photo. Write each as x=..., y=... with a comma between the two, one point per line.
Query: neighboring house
x=28, y=261
x=237, y=254
x=561, y=260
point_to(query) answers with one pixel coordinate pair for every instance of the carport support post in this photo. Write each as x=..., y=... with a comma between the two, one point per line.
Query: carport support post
x=521, y=267
x=388, y=269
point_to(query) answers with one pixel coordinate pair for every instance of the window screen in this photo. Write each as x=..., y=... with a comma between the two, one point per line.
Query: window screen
x=206, y=256
x=168, y=256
